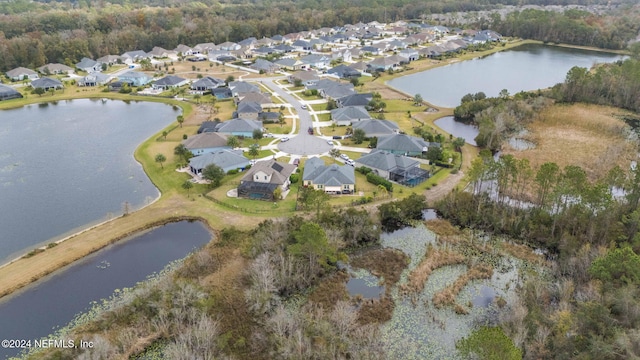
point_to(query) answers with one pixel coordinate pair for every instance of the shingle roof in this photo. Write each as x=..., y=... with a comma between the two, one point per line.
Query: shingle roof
x=242, y=87
x=207, y=82
x=170, y=80
x=332, y=175
x=355, y=99
x=403, y=143
x=86, y=63
x=376, y=127
x=349, y=113
x=239, y=125
x=248, y=107
x=53, y=68
x=386, y=161
x=46, y=83
x=20, y=71
x=225, y=159
x=205, y=140
x=278, y=171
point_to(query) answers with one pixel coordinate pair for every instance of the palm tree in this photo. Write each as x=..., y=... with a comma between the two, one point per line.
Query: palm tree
x=160, y=159
x=254, y=150
x=187, y=185
x=180, y=119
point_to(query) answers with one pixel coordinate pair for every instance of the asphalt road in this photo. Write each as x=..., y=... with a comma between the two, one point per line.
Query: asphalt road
x=301, y=144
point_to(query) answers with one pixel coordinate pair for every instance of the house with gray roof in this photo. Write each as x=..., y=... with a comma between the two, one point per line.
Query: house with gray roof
x=205, y=142
x=332, y=179
x=289, y=64
x=308, y=78
x=404, y=144
x=132, y=56
x=238, y=88
x=184, y=50
x=46, y=84
x=301, y=45
x=264, y=178
x=265, y=66
x=316, y=61
x=346, y=116
x=409, y=54
x=94, y=79
x=371, y=49
x=262, y=99
x=330, y=89
x=8, y=93
x=158, y=52
x=341, y=54
x=21, y=73
x=203, y=48
x=343, y=71
x=55, y=68
x=248, y=110
x=206, y=83
x=170, y=82
x=283, y=48
x=358, y=99
x=229, y=46
x=89, y=65
x=385, y=63
x=394, y=167
x=376, y=128
x=239, y=127
x=226, y=159
x=135, y=78
x=110, y=59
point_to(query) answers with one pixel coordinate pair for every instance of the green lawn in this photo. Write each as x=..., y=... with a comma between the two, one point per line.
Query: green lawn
x=261, y=154
x=247, y=205
x=324, y=117
x=318, y=107
x=310, y=97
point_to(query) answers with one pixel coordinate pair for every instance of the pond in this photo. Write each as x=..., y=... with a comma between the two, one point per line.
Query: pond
x=458, y=129
x=526, y=67
x=53, y=301
x=68, y=164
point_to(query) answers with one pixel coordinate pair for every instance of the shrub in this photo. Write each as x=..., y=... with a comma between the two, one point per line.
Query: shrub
x=294, y=178
x=379, y=180
x=232, y=172
x=363, y=170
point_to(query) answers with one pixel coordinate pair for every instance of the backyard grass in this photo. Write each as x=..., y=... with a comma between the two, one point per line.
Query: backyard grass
x=318, y=107
x=324, y=117
x=252, y=206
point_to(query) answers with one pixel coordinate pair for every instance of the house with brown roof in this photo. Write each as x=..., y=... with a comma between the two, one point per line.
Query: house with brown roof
x=261, y=181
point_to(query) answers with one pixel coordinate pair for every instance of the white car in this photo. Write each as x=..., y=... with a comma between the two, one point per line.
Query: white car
x=284, y=139
x=304, y=107
x=268, y=135
x=330, y=142
x=344, y=156
x=350, y=162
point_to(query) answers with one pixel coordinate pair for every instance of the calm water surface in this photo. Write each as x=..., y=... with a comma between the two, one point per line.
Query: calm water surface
x=458, y=129
x=54, y=301
x=69, y=164
x=527, y=67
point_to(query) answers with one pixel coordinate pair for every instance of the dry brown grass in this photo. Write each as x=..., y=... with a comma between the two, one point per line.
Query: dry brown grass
x=448, y=295
x=522, y=252
x=588, y=136
x=376, y=311
x=434, y=259
x=331, y=290
x=385, y=263
x=442, y=227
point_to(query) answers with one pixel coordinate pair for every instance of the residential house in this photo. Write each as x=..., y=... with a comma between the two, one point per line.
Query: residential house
x=206, y=84
x=355, y=100
x=8, y=93
x=94, y=79
x=208, y=126
x=356, y=53
x=89, y=65
x=404, y=144
x=346, y=116
x=248, y=110
x=206, y=142
x=21, y=73
x=229, y=46
x=290, y=64
x=46, y=84
x=376, y=128
x=409, y=55
x=170, y=82
x=330, y=89
x=110, y=59
x=55, y=69
x=239, y=88
x=132, y=56
x=342, y=55
x=239, y=127
x=317, y=43
x=371, y=50
x=249, y=43
x=343, y=71
x=395, y=45
x=135, y=78
x=265, y=42
x=360, y=66
x=159, y=53
x=283, y=48
x=263, y=51
x=277, y=39
x=261, y=181
x=265, y=66
x=316, y=61
x=221, y=93
x=385, y=63
x=225, y=159
x=307, y=78
x=290, y=38
x=184, y=50
x=398, y=168
x=332, y=179
x=204, y=48
x=264, y=100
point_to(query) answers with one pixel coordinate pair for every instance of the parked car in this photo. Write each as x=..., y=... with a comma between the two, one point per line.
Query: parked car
x=296, y=161
x=350, y=162
x=268, y=135
x=330, y=142
x=304, y=106
x=284, y=139
x=344, y=156
x=310, y=130
x=337, y=137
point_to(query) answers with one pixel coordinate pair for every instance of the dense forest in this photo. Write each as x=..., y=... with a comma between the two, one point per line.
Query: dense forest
x=32, y=34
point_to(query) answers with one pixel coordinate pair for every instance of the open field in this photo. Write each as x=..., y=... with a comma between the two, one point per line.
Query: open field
x=589, y=136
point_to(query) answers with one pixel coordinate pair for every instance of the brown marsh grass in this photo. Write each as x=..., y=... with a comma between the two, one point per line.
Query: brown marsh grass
x=434, y=259
x=448, y=295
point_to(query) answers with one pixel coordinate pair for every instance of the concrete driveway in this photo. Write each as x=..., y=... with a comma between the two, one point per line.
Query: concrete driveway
x=302, y=143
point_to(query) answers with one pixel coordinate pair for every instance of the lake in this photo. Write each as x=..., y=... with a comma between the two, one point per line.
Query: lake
x=53, y=301
x=458, y=129
x=69, y=164
x=526, y=67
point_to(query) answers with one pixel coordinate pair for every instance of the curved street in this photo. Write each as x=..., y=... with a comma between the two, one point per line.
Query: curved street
x=301, y=144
